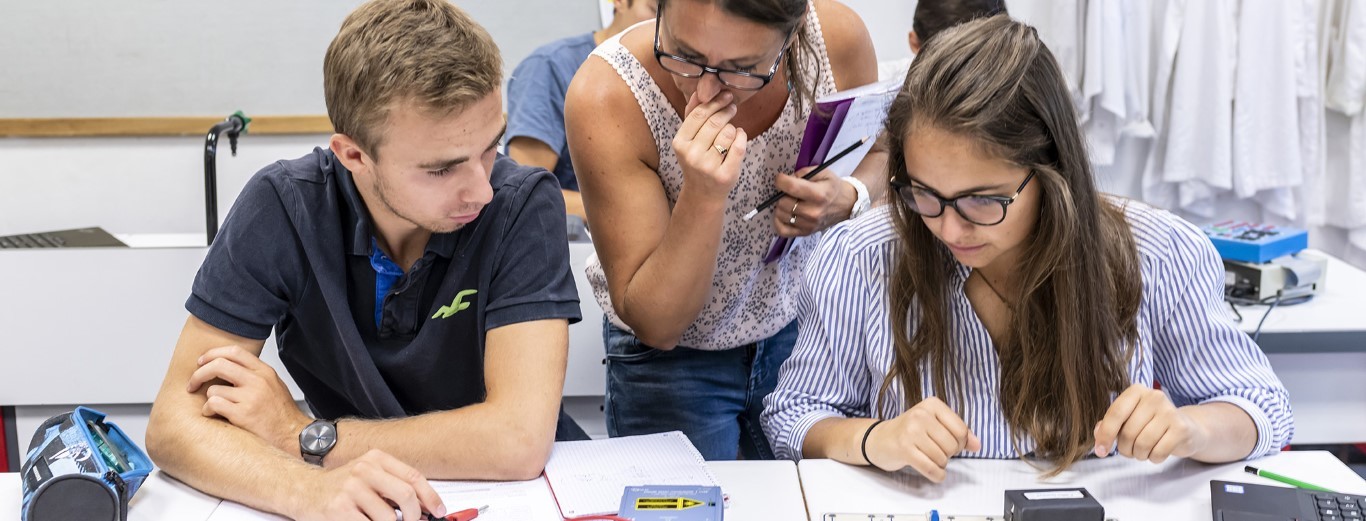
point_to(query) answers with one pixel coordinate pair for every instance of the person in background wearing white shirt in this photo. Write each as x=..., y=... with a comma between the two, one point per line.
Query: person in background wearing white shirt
x=932, y=17
x=944, y=325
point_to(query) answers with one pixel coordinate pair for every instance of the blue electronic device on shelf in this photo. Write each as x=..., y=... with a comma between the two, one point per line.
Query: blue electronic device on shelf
x=1255, y=243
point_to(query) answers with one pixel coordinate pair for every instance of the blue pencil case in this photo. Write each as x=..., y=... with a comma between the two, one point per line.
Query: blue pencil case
x=80, y=466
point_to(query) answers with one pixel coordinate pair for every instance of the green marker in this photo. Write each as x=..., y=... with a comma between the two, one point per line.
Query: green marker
x=1289, y=481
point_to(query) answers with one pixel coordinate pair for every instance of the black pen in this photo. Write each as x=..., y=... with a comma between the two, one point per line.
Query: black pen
x=774, y=200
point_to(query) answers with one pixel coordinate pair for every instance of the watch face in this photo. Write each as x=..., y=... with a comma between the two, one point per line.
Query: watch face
x=318, y=438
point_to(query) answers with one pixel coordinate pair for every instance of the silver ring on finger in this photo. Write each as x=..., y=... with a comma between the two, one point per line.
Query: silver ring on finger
x=721, y=150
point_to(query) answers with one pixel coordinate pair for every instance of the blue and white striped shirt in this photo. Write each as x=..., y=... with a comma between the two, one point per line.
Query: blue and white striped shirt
x=844, y=350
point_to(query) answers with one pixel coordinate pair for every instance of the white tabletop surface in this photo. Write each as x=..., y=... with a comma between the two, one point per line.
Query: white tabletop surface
x=1336, y=308
x=761, y=490
x=758, y=490
x=1129, y=490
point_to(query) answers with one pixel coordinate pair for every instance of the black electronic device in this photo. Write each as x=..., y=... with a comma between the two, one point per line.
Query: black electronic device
x=1230, y=501
x=76, y=238
x=1056, y=504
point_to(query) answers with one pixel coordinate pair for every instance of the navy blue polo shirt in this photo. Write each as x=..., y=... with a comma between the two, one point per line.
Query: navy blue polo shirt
x=294, y=254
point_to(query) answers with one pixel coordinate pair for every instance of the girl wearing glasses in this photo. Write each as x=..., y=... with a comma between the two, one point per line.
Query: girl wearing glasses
x=1000, y=307
x=677, y=128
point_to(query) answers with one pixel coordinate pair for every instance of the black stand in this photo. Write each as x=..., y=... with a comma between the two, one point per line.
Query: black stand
x=234, y=126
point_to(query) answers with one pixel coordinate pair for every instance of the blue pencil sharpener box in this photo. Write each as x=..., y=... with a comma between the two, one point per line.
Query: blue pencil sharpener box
x=1256, y=243
x=673, y=503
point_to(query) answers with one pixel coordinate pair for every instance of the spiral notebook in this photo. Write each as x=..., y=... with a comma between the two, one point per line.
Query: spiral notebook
x=588, y=477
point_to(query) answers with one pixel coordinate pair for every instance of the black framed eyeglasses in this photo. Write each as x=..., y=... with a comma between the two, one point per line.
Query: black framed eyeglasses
x=742, y=80
x=982, y=210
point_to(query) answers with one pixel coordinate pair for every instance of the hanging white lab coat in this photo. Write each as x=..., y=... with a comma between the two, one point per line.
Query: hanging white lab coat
x=1346, y=92
x=1347, y=59
x=1061, y=27
x=1168, y=16
x=1103, y=80
x=1136, y=18
x=1266, y=112
x=1198, y=149
x=1313, y=132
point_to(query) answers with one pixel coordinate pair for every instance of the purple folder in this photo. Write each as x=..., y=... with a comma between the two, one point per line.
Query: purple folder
x=821, y=128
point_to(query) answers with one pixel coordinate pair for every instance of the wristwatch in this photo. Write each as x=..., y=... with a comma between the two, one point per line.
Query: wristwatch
x=316, y=440
x=862, y=202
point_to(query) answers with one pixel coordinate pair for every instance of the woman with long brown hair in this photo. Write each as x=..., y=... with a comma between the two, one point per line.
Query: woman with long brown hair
x=1001, y=307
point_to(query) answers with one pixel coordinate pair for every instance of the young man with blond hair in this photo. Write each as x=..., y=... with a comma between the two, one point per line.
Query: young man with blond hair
x=417, y=283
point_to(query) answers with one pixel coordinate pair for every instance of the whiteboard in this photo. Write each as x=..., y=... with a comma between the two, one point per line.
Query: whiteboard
x=152, y=58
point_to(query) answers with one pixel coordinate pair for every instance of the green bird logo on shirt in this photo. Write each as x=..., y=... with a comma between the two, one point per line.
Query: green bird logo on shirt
x=457, y=305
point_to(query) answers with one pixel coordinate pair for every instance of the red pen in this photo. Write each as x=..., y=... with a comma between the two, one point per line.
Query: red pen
x=463, y=515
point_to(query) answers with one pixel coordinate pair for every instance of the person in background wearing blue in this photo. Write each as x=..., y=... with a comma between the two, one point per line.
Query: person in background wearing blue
x=933, y=17
x=1001, y=307
x=416, y=281
x=536, y=93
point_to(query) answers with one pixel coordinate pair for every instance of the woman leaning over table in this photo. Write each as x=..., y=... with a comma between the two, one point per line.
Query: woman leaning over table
x=1000, y=307
x=677, y=128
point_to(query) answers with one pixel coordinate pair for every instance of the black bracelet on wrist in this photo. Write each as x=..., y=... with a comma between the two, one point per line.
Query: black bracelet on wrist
x=864, y=446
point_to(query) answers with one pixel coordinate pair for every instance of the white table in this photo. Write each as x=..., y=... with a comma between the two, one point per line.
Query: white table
x=1318, y=349
x=758, y=490
x=1129, y=490
x=1332, y=322
x=761, y=490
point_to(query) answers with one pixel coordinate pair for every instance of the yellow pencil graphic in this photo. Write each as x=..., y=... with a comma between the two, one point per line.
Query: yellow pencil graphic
x=666, y=503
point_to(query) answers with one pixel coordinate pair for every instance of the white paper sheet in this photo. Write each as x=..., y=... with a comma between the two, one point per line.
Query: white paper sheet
x=506, y=501
x=588, y=477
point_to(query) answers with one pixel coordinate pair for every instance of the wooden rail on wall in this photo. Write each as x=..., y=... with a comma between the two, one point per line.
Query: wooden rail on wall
x=147, y=126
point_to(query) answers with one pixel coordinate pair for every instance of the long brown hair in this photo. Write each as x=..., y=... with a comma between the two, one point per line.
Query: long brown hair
x=1073, y=330
x=783, y=16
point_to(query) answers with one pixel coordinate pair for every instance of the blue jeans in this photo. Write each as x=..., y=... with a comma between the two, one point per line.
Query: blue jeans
x=714, y=397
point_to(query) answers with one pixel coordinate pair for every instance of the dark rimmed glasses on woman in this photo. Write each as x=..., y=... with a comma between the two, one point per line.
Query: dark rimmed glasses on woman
x=982, y=210
x=741, y=80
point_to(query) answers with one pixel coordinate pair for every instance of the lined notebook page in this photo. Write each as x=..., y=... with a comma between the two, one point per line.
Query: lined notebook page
x=588, y=477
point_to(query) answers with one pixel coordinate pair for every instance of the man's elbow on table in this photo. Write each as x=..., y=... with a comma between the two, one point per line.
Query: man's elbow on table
x=166, y=434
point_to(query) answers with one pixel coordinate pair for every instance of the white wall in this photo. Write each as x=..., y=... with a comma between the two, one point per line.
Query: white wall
x=888, y=22
x=155, y=185
x=126, y=185
x=94, y=58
